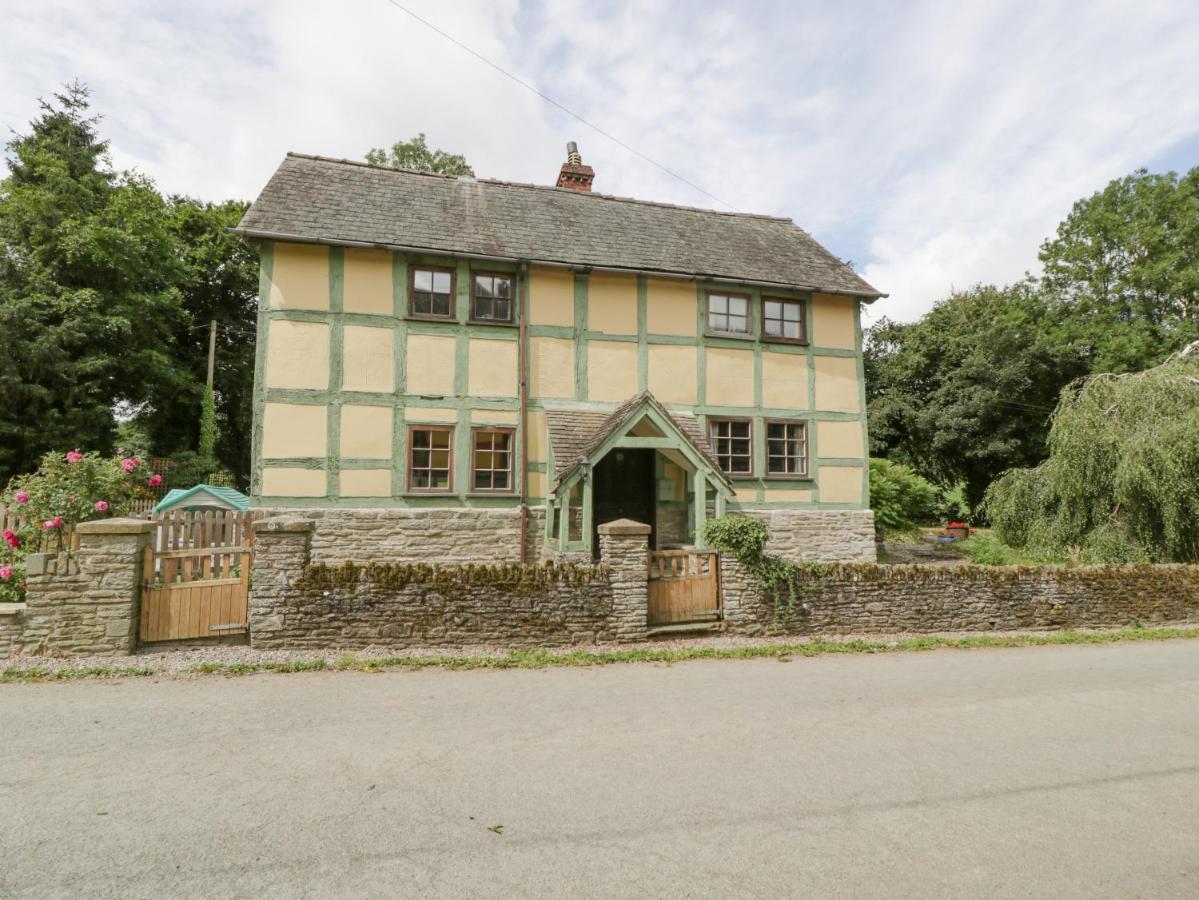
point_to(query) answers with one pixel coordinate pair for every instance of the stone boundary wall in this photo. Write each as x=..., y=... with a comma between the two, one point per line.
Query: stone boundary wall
x=881, y=599
x=399, y=604
x=84, y=603
x=823, y=535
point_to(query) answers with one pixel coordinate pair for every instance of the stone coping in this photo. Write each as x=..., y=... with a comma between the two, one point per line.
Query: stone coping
x=115, y=526
x=624, y=526
x=12, y=609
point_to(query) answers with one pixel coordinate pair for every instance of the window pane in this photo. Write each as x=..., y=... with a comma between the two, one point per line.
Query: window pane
x=738, y=324
x=502, y=310
x=503, y=287
x=739, y=429
x=718, y=304
x=439, y=479
x=500, y=480
x=441, y=282
x=791, y=330
x=772, y=328
x=791, y=312
x=422, y=280
x=772, y=308
x=483, y=286
x=738, y=306
x=441, y=304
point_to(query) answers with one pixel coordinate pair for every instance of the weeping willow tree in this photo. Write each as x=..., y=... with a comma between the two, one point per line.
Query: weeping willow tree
x=1121, y=483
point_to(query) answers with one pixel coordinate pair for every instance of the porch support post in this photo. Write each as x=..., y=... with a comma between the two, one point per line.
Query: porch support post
x=551, y=504
x=564, y=520
x=719, y=503
x=701, y=506
x=586, y=535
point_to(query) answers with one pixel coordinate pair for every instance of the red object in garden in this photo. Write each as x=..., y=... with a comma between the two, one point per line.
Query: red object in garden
x=959, y=530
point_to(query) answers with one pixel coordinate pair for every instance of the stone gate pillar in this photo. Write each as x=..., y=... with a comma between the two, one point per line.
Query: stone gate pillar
x=624, y=548
x=282, y=550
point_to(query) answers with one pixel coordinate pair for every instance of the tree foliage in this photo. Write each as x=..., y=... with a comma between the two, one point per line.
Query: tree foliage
x=902, y=500
x=1121, y=482
x=416, y=155
x=106, y=291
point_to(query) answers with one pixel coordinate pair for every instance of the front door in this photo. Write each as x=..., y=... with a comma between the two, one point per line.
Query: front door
x=623, y=488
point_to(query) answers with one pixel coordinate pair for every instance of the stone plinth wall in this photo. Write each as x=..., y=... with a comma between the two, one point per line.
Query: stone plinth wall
x=874, y=599
x=417, y=534
x=12, y=629
x=85, y=603
x=823, y=535
x=298, y=600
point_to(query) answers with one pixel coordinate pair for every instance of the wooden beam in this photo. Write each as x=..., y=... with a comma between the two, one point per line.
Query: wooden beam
x=630, y=440
x=701, y=507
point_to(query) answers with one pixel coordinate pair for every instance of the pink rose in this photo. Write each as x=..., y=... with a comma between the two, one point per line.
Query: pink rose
x=5, y=573
x=129, y=464
x=101, y=506
x=21, y=497
x=155, y=480
x=48, y=524
x=74, y=456
x=58, y=521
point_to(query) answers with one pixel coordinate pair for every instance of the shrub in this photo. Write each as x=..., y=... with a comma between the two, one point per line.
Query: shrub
x=66, y=489
x=901, y=499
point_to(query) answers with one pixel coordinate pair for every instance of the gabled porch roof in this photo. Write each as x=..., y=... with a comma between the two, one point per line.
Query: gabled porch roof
x=585, y=435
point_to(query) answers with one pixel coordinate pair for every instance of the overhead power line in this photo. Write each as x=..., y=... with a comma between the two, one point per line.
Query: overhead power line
x=550, y=100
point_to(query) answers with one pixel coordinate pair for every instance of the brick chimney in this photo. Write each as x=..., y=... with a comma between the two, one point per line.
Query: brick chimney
x=574, y=174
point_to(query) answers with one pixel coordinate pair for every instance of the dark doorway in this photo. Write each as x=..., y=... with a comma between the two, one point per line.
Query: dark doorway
x=623, y=488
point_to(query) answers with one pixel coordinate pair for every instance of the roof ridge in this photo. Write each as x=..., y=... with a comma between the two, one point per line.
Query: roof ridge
x=617, y=198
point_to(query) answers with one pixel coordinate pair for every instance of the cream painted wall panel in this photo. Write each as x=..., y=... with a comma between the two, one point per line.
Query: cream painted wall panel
x=294, y=430
x=673, y=377
x=840, y=484
x=297, y=355
x=551, y=297
x=436, y=415
x=842, y=439
x=536, y=484
x=745, y=495
x=493, y=368
x=368, y=285
x=781, y=495
x=611, y=370
x=552, y=367
x=537, y=437
x=730, y=377
x=368, y=360
x=300, y=276
x=294, y=483
x=837, y=388
x=612, y=303
x=784, y=380
x=672, y=306
x=833, y=322
x=430, y=365
x=494, y=416
x=366, y=432
x=364, y=482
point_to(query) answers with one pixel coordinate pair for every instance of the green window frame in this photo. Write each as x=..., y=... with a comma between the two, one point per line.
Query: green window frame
x=431, y=293
x=431, y=459
x=491, y=460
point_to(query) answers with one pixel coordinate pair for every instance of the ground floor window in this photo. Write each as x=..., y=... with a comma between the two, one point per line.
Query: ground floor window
x=786, y=448
x=430, y=458
x=491, y=459
x=732, y=442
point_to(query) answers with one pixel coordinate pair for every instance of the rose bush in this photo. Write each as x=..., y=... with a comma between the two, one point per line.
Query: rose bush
x=67, y=488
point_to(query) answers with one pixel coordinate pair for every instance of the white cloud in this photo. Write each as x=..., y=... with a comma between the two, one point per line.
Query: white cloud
x=937, y=144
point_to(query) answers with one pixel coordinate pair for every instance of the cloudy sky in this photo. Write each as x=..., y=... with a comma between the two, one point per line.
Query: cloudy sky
x=934, y=144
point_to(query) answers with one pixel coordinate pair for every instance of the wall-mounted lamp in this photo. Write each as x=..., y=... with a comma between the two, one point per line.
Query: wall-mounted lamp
x=585, y=467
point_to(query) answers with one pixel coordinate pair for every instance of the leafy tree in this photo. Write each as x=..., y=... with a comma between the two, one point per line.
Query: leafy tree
x=1123, y=271
x=1121, y=482
x=88, y=295
x=966, y=392
x=901, y=499
x=416, y=155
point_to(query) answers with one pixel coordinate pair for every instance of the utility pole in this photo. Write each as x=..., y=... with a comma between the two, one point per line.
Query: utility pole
x=211, y=353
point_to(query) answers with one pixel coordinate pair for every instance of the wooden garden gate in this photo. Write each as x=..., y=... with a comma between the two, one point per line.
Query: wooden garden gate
x=196, y=580
x=684, y=587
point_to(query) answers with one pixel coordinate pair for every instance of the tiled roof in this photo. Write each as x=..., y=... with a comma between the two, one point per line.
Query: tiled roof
x=576, y=434
x=312, y=198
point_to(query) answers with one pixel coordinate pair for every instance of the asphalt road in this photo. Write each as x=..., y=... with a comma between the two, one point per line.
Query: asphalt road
x=1064, y=771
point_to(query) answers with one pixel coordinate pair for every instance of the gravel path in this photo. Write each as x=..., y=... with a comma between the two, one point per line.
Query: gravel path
x=183, y=662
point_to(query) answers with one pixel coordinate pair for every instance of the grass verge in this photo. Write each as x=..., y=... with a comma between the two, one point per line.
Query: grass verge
x=543, y=659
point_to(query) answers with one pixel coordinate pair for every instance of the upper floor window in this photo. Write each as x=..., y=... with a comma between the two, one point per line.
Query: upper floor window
x=783, y=320
x=786, y=449
x=491, y=300
x=733, y=445
x=491, y=459
x=432, y=292
x=430, y=458
x=728, y=314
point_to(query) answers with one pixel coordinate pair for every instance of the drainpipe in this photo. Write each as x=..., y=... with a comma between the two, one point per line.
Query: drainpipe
x=522, y=364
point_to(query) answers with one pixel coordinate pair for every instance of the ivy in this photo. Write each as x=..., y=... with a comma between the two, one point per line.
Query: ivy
x=783, y=580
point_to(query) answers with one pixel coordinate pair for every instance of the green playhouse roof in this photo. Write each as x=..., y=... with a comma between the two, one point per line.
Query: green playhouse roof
x=178, y=496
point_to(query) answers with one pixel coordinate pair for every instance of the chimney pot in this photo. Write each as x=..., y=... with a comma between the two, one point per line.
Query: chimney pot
x=574, y=174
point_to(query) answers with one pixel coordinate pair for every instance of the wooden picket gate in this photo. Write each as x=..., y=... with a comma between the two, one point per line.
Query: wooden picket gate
x=196, y=580
x=684, y=587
